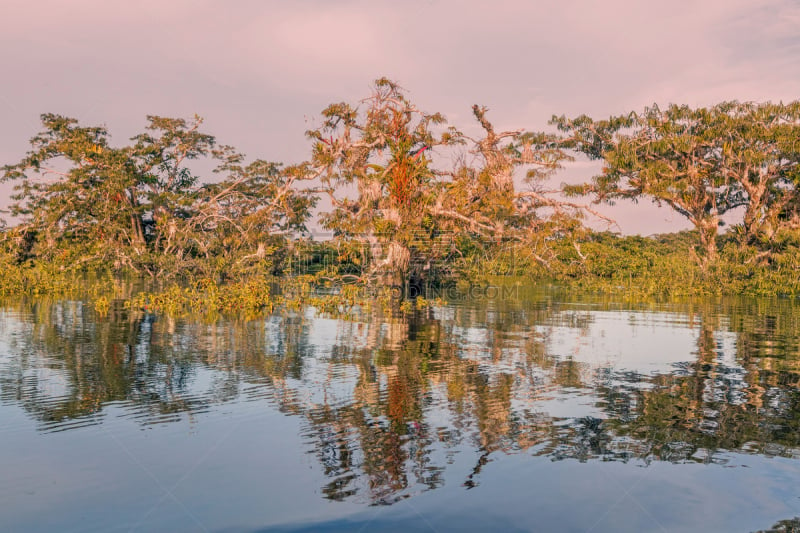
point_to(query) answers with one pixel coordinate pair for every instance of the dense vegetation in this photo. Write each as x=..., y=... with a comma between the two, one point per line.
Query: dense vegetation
x=411, y=201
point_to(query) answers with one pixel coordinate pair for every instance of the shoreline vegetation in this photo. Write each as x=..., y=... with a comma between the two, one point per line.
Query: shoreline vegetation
x=415, y=208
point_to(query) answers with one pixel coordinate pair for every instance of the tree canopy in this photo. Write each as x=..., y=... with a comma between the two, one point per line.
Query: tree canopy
x=408, y=197
x=411, y=204
x=141, y=206
x=700, y=162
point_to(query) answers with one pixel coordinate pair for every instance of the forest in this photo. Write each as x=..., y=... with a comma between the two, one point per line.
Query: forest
x=409, y=201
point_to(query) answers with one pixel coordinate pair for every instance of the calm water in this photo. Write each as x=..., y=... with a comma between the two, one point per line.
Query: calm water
x=522, y=413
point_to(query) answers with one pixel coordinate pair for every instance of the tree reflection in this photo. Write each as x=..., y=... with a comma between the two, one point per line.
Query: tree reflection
x=388, y=403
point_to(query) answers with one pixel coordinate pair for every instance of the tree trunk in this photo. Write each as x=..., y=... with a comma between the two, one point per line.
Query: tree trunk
x=753, y=216
x=137, y=228
x=708, y=241
x=398, y=259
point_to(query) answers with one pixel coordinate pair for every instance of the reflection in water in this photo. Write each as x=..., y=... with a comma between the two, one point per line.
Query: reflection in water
x=388, y=404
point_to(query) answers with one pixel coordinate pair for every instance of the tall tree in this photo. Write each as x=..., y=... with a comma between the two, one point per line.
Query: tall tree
x=141, y=207
x=672, y=156
x=250, y=216
x=381, y=154
x=759, y=149
x=76, y=195
x=506, y=195
x=382, y=167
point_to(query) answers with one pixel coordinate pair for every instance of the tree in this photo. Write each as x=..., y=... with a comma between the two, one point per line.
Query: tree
x=249, y=217
x=142, y=208
x=672, y=156
x=166, y=185
x=410, y=212
x=760, y=152
x=700, y=162
x=76, y=195
x=485, y=200
x=382, y=152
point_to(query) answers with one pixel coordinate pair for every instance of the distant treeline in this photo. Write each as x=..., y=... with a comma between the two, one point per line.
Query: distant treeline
x=412, y=200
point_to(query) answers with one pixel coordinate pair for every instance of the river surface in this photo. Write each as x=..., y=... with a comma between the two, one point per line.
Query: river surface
x=517, y=410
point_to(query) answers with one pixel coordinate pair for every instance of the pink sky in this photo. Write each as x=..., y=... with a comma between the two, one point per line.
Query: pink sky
x=260, y=71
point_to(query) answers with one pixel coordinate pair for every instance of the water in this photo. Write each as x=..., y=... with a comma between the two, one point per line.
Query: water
x=524, y=412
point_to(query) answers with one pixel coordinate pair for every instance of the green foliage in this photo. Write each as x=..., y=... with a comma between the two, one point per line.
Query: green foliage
x=384, y=151
x=42, y=278
x=247, y=299
x=400, y=216
x=140, y=208
x=410, y=213
x=700, y=162
x=660, y=266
